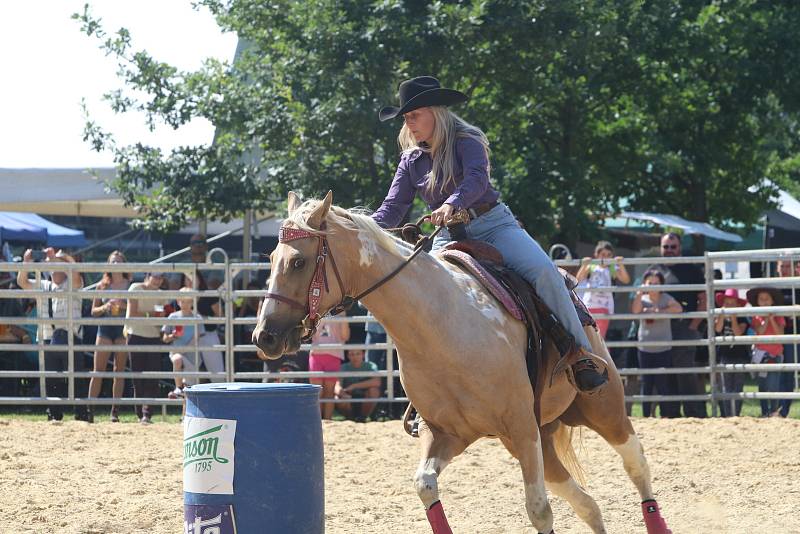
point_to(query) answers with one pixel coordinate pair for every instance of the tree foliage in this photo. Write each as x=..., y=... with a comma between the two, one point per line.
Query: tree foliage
x=676, y=106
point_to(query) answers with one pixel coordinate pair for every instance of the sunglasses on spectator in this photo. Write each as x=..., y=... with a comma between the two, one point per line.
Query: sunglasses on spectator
x=197, y=243
x=670, y=247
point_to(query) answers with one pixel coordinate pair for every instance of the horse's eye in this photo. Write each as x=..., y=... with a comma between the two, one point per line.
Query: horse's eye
x=299, y=263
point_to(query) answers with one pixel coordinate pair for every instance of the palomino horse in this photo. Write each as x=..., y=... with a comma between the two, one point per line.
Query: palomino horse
x=462, y=359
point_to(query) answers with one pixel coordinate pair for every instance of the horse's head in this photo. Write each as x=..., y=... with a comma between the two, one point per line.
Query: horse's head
x=299, y=266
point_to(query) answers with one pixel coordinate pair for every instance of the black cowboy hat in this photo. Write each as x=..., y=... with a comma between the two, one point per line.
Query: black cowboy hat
x=420, y=92
x=777, y=295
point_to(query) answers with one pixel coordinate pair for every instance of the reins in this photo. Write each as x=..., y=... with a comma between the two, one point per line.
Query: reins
x=418, y=247
x=319, y=281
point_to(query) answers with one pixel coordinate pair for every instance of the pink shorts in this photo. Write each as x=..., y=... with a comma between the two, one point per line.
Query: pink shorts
x=324, y=362
x=602, y=324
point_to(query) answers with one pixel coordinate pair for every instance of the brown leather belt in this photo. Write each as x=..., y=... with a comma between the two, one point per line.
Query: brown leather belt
x=480, y=209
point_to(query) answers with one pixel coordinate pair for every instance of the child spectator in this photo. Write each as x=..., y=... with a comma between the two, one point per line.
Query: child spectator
x=656, y=330
x=357, y=388
x=767, y=325
x=180, y=337
x=327, y=360
x=602, y=275
x=728, y=326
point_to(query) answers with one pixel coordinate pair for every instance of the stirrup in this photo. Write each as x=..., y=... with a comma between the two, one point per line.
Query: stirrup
x=588, y=379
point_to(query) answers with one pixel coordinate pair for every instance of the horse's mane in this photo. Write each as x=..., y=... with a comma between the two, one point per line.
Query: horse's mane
x=354, y=219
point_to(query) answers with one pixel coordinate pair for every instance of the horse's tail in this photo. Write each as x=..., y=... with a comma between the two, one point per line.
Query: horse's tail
x=562, y=442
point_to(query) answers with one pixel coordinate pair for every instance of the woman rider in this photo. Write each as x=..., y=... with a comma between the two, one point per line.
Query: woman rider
x=446, y=161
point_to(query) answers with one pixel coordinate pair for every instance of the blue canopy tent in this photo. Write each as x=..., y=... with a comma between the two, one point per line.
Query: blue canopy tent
x=14, y=230
x=30, y=227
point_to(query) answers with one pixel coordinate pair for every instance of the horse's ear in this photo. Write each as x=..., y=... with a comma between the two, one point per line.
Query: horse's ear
x=321, y=211
x=294, y=201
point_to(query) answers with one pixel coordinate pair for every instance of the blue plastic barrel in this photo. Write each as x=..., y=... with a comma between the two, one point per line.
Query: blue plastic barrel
x=253, y=460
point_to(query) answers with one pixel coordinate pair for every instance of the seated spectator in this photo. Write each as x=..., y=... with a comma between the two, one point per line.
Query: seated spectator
x=111, y=334
x=327, y=360
x=767, y=325
x=181, y=337
x=357, y=388
x=729, y=326
x=656, y=330
x=602, y=275
x=57, y=308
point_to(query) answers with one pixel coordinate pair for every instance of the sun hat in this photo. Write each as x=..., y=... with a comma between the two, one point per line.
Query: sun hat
x=730, y=292
x=777, y=295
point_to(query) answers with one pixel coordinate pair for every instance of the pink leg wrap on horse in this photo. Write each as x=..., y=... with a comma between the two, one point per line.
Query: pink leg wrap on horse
x=652, y=518
x=437, y=519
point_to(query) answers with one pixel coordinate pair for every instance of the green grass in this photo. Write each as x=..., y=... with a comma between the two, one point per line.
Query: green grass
x=750, y=408
x=101, y=415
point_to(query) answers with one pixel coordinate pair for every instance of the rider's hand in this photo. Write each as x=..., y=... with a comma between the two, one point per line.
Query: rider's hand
x=441, y=214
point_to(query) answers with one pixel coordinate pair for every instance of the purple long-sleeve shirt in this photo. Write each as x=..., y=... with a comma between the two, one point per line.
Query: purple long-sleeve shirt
x=471, y=169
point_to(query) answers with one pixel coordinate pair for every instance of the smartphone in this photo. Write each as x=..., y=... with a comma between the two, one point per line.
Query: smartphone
x=38, y=255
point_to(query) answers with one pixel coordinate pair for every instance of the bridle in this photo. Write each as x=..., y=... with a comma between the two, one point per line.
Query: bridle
x=319, y=281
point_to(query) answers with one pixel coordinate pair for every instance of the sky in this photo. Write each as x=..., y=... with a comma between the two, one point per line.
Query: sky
x=47, y=65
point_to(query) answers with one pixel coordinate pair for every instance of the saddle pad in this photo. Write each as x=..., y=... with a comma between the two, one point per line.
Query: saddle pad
x=487, y=280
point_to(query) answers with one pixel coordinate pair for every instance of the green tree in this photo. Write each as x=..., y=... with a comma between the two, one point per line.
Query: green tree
x=675, y=106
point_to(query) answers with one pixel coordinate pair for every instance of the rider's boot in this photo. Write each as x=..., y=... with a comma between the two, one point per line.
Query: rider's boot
x=588, y=378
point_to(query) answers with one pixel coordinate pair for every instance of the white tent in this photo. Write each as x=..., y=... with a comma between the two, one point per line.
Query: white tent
x=61, y=192
x=690, y=227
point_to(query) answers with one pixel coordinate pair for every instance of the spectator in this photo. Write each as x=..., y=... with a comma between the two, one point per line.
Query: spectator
x=729, y=326
x=375, y=333
x=198, y=248
x=357, y=388
x=787, y=268
x=57, y=308
x=243, y=335
x=327, y=360
x=16, y=334
x=180, y=337
x=213, y=359
x=111, y=334
x=145, y=334
x=765, y=352
x=683, y=356
x=656, y=330
x=602, y=275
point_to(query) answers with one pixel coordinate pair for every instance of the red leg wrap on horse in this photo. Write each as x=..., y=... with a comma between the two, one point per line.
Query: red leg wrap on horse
x=652, y=518
x=437, y=519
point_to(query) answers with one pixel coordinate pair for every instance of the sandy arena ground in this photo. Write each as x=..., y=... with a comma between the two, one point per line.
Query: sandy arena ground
x=735, y=475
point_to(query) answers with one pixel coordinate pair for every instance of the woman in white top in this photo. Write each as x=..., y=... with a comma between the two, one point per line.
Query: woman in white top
x=602, y=275
x=145, y=334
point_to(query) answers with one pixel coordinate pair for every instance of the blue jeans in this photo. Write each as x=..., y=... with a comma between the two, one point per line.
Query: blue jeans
x=787, y=380
x=731, y=383
x=662, y=384
x=522, y=253
x=770, y=382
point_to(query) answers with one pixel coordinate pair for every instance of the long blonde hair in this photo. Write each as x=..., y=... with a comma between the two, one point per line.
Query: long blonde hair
x=448, y=127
